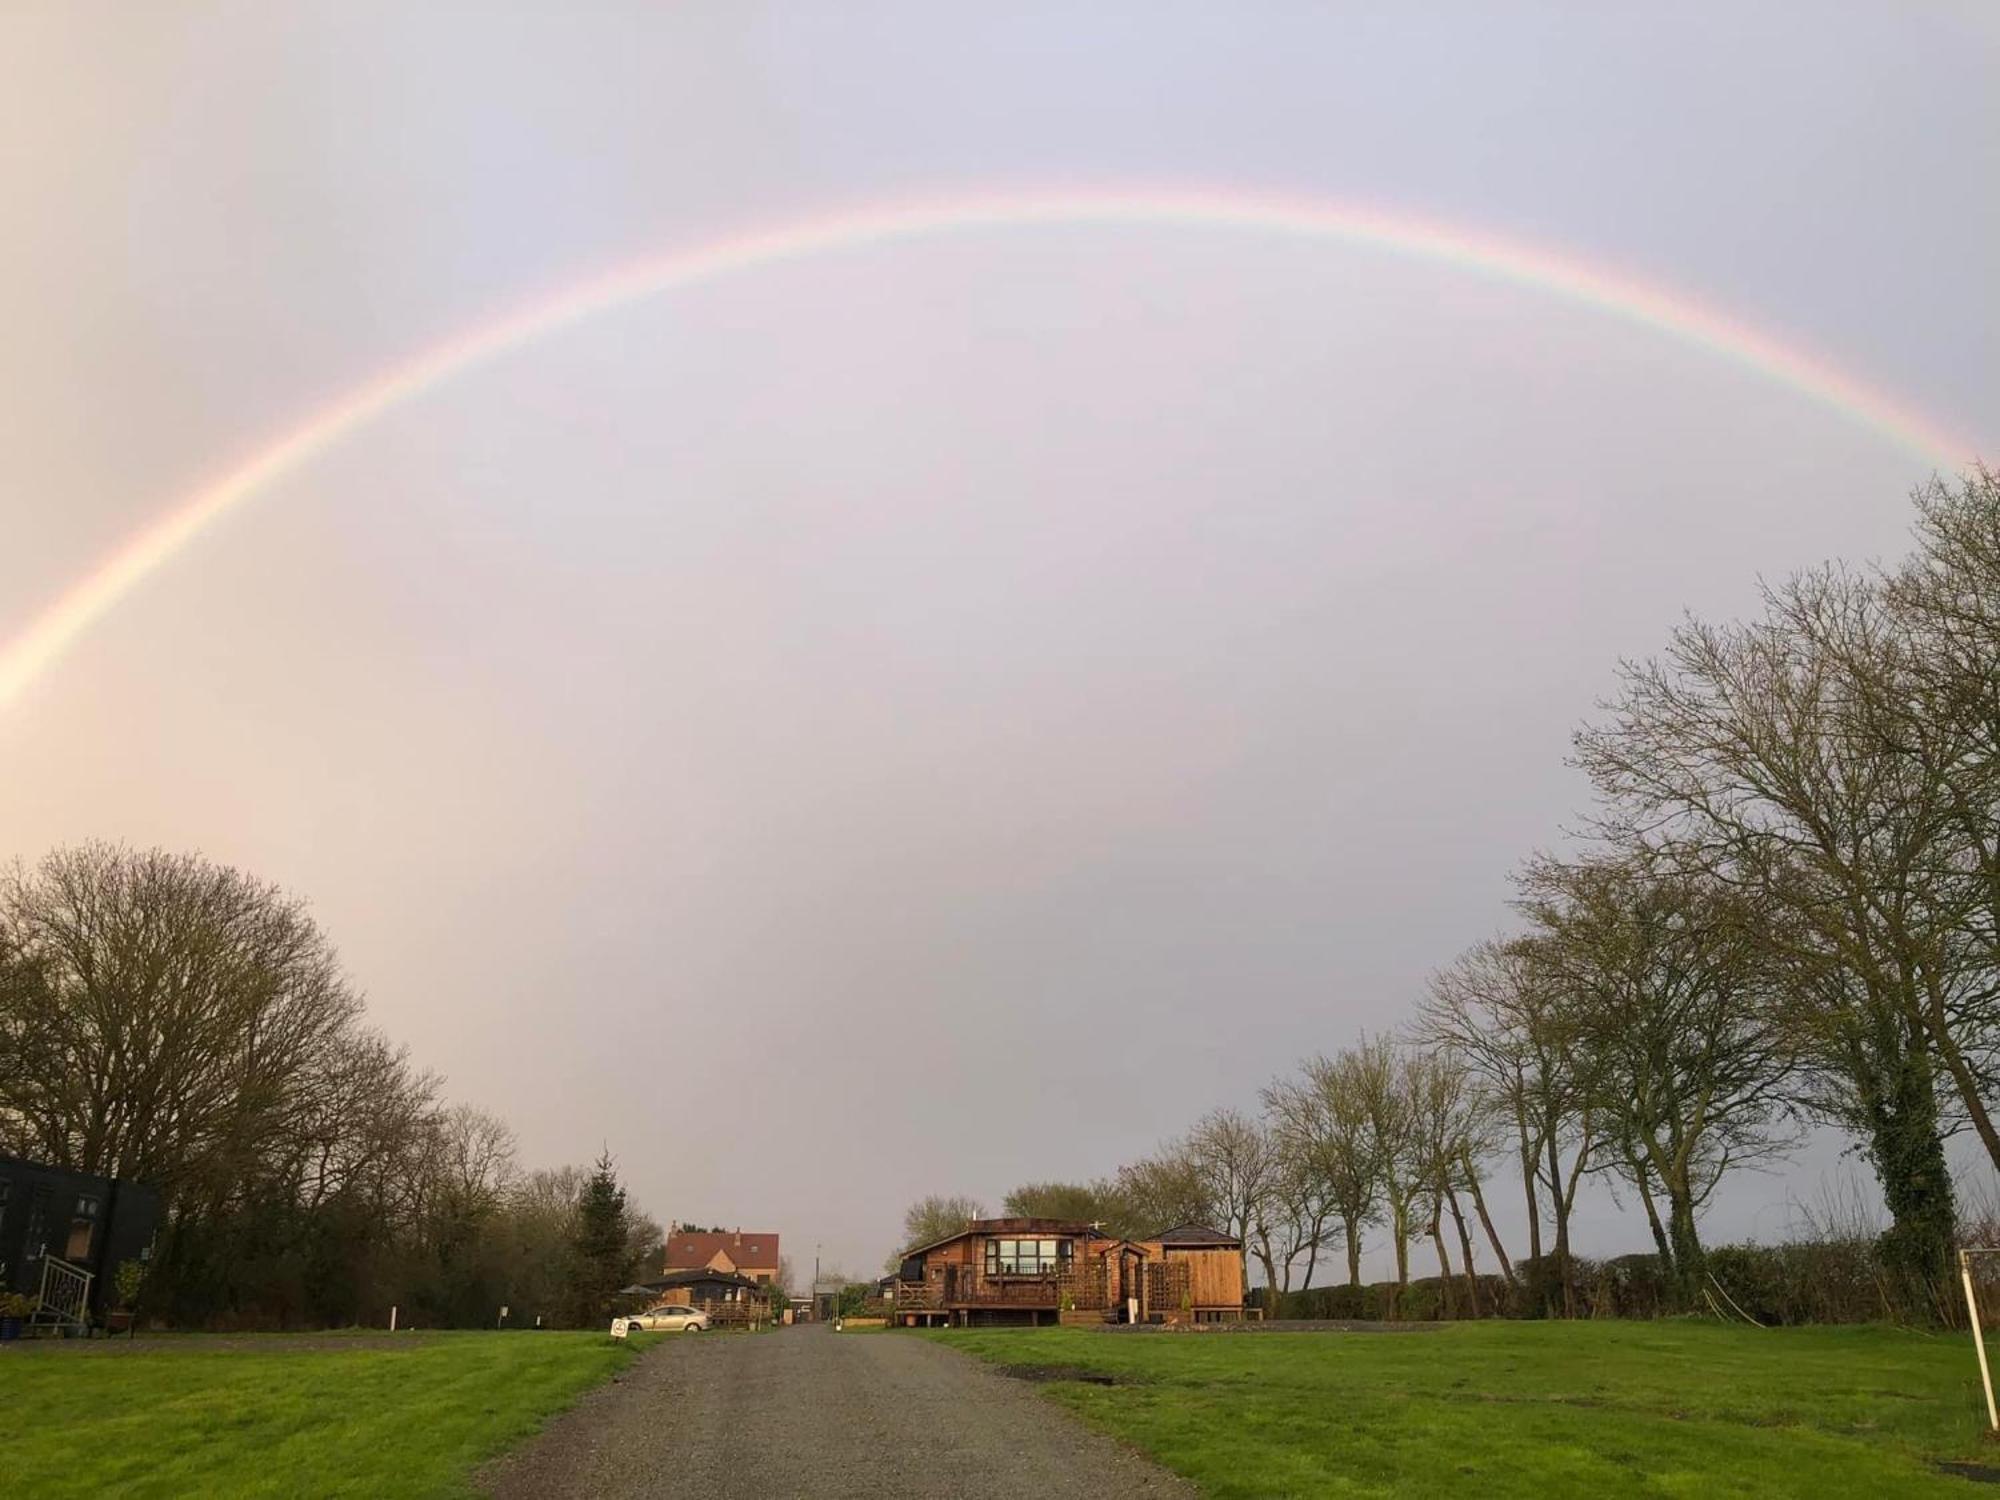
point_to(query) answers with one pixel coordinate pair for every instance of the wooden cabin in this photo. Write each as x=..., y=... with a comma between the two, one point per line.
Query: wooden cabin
x=1214, y=1281
x=1036, y=1271
x=1023, y=1271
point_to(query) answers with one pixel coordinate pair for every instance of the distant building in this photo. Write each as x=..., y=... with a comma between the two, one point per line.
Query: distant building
x=64, y=1234
x=704, y=1288
x=731, y=1251
x=1032, y=1270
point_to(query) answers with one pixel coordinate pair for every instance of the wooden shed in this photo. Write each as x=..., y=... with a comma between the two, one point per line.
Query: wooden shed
x=1214, y=1260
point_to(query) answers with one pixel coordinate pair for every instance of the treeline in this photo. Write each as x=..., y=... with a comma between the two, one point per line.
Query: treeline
x=1784, y=912
x=175, y=1022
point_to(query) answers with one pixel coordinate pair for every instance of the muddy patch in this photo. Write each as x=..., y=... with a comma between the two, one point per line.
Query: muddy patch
x=1977, y=1473
x=1051, y=1374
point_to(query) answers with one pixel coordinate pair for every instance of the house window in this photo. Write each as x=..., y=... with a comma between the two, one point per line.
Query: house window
x=36, y=1239
x=1026, y=1257
x=82, y=1229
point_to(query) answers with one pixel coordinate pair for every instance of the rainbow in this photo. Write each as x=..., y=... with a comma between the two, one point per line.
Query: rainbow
x=28, y=655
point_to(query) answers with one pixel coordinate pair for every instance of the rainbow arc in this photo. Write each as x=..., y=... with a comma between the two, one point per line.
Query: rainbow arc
x=30, y=654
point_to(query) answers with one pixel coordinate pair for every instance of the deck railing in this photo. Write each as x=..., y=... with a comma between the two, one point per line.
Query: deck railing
x=966, y=1286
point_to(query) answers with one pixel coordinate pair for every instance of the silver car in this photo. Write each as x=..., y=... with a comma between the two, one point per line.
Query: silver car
x=670, y=1318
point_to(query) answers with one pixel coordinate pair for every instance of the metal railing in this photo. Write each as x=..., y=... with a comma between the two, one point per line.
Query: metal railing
x=65, y=1295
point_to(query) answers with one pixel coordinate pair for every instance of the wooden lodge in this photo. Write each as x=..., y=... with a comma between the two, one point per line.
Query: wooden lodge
x=1036, y=1271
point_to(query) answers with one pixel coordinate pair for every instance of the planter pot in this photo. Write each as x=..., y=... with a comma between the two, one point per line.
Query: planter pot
x=117, y=1322
x=10, y=1329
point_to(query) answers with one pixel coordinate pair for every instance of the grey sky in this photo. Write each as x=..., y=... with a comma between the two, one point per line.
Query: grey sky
x=932, y=718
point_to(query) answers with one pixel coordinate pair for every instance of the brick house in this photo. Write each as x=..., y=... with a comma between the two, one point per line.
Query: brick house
x=731, y=1252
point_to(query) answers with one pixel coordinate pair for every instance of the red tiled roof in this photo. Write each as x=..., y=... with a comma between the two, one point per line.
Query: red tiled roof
x=688, y=1252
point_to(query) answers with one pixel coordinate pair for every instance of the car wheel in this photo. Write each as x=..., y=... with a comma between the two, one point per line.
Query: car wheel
x=635, y=1327
x=693, y=1327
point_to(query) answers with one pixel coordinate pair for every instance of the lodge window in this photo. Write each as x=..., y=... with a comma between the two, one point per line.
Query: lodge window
x=1026, y=1257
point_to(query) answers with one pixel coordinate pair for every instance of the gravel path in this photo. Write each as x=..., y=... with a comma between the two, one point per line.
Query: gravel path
x=808, y=1412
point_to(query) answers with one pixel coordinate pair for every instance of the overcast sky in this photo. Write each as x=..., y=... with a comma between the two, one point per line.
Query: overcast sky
x=931, y=718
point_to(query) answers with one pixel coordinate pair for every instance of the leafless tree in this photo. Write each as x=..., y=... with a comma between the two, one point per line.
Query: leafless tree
x=187, y=1016
x=1162, y=1190
x=1239, y=1171
x=1383, y=1086
x=1788, y=758
x=1320, y=1121
x=1495, y=1008
x=935, y=1217
x=1448, y=1135
x=1691, y=1055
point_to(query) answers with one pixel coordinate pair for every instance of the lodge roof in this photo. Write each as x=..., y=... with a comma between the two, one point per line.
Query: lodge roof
x=691, y=1278
x=1055, y=1228
x=1186, y=1235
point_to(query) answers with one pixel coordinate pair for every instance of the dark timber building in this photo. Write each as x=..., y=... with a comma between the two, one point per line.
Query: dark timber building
x=64, y=1234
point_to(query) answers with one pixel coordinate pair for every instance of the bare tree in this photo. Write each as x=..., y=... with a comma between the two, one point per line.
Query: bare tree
x=1081, y=1202
x=1691, y=1054
x=1494, y=1008
x=1159, y=1191
x=1320, y=1121
x=936, y=1217
x=1449, y=1121
x=1239, y=1170
x=1382, y=1083
x=1784, y=757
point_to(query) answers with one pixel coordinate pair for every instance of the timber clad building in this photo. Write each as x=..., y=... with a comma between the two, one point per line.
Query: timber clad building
x=1056, y=1271
x=63, y=1235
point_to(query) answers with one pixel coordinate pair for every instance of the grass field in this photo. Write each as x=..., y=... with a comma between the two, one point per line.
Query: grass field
x=1530, y=1409
x=370, y=1415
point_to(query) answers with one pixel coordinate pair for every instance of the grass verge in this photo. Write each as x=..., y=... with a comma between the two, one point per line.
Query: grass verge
x=408, y=1415
x=1529, y=1409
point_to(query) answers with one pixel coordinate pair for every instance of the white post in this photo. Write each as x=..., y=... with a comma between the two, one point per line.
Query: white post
x=1978, y=1339
x=392, y=1320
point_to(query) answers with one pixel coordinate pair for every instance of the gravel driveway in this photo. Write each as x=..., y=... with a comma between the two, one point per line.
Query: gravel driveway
x=806, y=1411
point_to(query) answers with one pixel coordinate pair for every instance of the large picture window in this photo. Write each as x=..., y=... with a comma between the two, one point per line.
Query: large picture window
x=1026, y=1257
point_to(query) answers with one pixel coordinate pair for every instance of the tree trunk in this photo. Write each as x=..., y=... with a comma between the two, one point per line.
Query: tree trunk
x=1399, y=1226
x=1687, y=1266
x=1534, y=1204
x=1270, y=1266
x=1961, y=1075
x=1464, y=1249
x=1899, y=1103
x=1560, y=1203
x=1486, y=1220
x=1660, y=1241
x=1353, y=1251
x=1444, y=1260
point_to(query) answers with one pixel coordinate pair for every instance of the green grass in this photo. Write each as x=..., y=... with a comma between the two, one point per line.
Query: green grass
x=1531, y=1409
x=275, y=1416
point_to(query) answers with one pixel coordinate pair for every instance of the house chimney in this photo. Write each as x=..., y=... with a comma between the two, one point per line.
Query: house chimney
x=739, y=1234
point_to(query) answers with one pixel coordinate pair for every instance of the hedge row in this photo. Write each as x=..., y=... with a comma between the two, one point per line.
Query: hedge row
x=1811, y=1281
